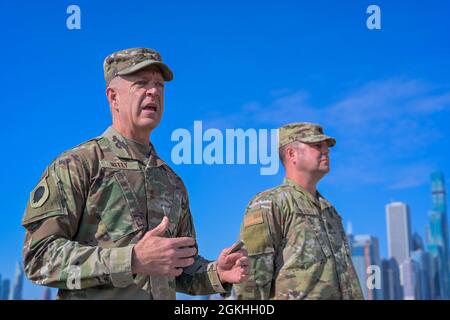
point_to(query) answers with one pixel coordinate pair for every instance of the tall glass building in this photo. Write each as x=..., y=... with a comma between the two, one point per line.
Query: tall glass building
x=424, y=263
x=398, y=231
x=5, y=289
x=410, y=277
x=390, y=279
x=438, y=245
x=16, y=293
x=366, y=259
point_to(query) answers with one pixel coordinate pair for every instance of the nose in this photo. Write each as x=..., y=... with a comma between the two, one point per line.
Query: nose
x=325, y=148
x=152, y=92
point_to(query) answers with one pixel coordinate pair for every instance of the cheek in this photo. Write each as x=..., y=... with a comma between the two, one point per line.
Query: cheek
x=136, y=101
x=161, y=98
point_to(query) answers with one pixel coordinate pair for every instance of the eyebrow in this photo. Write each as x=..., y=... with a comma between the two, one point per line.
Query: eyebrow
x=144, y=78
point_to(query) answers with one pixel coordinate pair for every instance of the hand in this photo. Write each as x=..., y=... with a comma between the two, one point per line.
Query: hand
x=155, y=255
x=234, y=267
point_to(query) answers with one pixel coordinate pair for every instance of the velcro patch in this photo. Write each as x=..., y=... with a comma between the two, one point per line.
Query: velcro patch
x=253, y=218
x=44, y=201
x=255, y=234
x=40, y=194
x=120, y=165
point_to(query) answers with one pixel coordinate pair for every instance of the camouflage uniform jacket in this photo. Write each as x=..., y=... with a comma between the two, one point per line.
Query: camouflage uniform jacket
x=298, y=248
x=91, y=206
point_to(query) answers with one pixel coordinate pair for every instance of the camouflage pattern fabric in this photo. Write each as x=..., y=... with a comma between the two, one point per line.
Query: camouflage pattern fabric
x=298, y=248
x=91, y=206
x=305, y=132
x=127, y=61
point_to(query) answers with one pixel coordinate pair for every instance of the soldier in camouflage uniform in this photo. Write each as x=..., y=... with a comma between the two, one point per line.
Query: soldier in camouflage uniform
x=294, y=236
x=109, y=219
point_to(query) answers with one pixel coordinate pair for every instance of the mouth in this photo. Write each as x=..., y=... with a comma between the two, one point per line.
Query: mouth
x=150, y=107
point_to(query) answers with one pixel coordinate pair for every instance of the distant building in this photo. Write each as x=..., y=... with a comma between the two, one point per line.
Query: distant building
x=390, y=280
x=16, y=293
x=438, y=237
x=410, y=279
x=437, y=271
x=417, y=242
x=424, y=262
x=398, y=231
x=366, y=259
x=350, y=234
x=5, y=289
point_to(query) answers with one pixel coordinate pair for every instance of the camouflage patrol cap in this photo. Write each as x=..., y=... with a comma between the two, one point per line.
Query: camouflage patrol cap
x=128, y=61
x=304, y=132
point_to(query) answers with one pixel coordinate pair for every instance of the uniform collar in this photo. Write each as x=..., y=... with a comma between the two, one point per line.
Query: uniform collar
x=122, y=148
x=318, y=201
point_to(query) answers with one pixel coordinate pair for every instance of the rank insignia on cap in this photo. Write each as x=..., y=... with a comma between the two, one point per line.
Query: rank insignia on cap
x=40, y=194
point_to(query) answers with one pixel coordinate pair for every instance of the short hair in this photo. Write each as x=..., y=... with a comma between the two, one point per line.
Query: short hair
x=282, y=151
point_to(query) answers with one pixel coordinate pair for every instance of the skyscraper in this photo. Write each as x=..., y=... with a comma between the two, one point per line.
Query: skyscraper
x=424, y=263
x=410, y=278
x=5, y=289
x=350, y=234
x=16, y=293
x=366, y=259
x=417, y=242
x=390, y=278
x=437, y=271
x=438, y=244
x=398, y=231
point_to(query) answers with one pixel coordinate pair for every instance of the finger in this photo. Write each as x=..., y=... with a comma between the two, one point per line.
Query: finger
x=185, y=252
x=160, y=229
x=232, y=258
x=176, y=272
x=226, y=251
x=243, y=273
x=244, y=277
x=243, y=262
x=245, y=270
x=243, y=251
x=183, y=263
x=183, y=242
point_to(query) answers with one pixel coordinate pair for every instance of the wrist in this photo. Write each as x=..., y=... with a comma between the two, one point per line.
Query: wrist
x=135, y=262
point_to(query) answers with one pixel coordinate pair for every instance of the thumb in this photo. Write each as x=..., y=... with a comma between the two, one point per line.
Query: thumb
x=160, y=229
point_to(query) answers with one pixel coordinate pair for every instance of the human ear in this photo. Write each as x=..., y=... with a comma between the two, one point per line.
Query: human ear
x=113, y=98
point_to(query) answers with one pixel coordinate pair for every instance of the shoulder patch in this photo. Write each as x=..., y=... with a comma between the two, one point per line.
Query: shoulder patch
x=40, y=194
x=44, y=200
x=253, y=218
x=255, y=234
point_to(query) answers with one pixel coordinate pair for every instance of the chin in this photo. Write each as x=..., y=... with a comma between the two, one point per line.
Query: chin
x=148, y=123
x=325, y=169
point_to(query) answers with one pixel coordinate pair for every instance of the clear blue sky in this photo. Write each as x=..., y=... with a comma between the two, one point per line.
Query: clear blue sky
x=384, y=95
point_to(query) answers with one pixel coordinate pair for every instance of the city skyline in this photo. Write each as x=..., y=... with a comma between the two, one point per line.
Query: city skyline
x=412, y=270
x=383, y=94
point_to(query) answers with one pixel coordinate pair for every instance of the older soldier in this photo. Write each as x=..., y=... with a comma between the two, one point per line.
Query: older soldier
x=293, y=235
x=109, y=219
